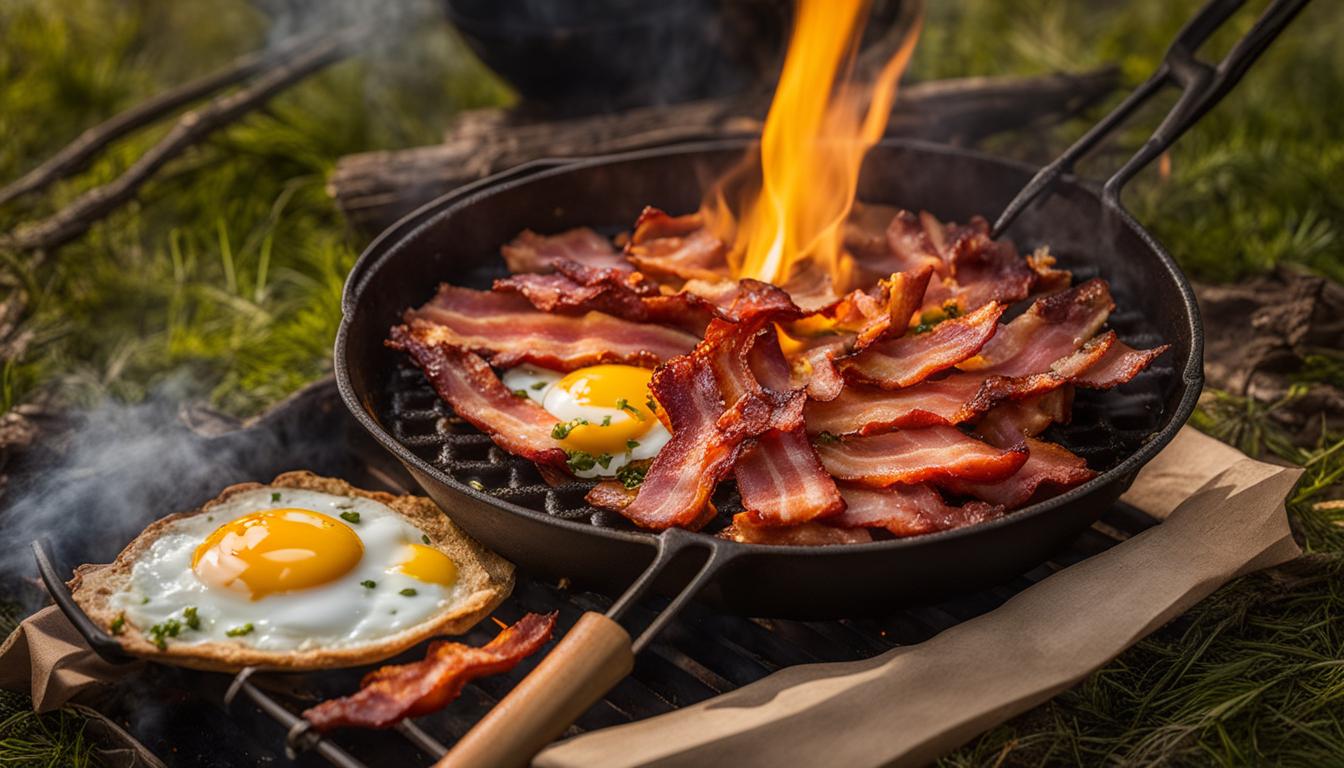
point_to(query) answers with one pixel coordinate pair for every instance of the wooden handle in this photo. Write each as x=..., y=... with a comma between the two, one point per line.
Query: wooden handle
x=593, y=657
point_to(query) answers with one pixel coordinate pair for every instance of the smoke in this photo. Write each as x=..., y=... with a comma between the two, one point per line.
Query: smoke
x=118, y=467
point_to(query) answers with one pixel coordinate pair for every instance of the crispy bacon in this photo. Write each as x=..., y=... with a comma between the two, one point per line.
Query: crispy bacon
x=507, y=330
x=390, y=694
x=916, y=241
x=1048, y=467
x=912, y=358
x=1051, y=328
x=476, y=394
x=779, y=477
x=714, y=403
x=783, y=483
x=575, y=289
x=916, y=456
x=802, y=535
x=852, y=323
x=987, y=270
x=1048, y=279
x=1007, y=423
x=679, y=247
x=531, y=252
x=908, y=510
x=1120, y=364
x=956, y=398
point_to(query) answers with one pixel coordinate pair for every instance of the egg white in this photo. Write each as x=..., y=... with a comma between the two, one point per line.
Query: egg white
x=338, y=614
x=538, y=384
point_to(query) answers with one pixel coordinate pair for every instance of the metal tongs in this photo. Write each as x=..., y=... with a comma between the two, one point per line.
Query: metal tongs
x=1202, y=85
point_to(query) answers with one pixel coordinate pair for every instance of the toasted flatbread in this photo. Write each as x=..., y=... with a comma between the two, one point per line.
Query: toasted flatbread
x=484, y=580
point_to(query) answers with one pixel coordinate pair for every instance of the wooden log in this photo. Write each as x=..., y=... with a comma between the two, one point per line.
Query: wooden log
x=374, y=189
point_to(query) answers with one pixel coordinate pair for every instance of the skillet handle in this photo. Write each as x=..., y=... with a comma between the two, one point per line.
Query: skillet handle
x=577, y=673
x=1202, y=86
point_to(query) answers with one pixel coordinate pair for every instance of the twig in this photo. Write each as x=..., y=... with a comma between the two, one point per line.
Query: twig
x=76, y=218
x=77, y=154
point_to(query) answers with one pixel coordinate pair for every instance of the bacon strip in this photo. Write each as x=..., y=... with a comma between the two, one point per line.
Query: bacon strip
x=908, y=510
x=574, y=289
x=916, y=456
x=912, y=358
x=851, y=324
x=531, y=252
x=390, y=694
x=1009, y=422
x=1051, y=328
x=507, y=330
x=1120, y=364
x=714, y=403
x=802, y=535
x=679, y=247
x=956, y=398
x=1048, y=467
x=464, y=381
x=987, y=270
x=780, y=478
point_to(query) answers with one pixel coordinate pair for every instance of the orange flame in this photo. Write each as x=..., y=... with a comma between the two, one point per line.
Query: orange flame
x=791, y=214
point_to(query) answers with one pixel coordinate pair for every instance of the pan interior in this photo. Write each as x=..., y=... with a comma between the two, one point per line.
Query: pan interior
x=460, y=244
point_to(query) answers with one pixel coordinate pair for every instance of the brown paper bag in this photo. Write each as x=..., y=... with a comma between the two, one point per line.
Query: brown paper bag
x=1224, y=516
x=48, y=657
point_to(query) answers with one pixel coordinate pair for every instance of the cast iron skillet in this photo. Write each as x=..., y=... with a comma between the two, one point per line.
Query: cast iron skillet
x=457, y=237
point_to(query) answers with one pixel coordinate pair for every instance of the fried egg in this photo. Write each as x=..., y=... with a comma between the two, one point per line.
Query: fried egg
x=288, y=569
x=605, y=415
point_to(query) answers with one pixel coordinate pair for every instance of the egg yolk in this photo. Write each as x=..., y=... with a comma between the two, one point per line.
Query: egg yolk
x=429, y=565
x=275, y=551
x=622, y=388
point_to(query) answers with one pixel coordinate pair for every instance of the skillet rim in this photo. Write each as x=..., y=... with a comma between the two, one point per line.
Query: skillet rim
x=405, y=230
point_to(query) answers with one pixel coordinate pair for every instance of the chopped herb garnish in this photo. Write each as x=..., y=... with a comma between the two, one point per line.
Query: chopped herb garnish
x=923, y=328
x=118, y=624
x=477, y=484
x=408, y=592
x=239, y=631
x=368, y=583
x=827, y=437
x=606, y=420
x=209, y=518
x=189, y=615
x=951, y=310
x=275, y=496
x=159, y=633
x=580, y=461
x=350, y=516
x=520, y=393
x=424, y=538
x=632, y=444
x=604, y=460
x=632, y=475
x=625, y=405
x=653, y=405
x=144, y=600
x=562, y=429
x=540, y=385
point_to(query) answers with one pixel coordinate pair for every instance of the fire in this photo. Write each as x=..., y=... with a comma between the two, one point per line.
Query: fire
x=783, y=212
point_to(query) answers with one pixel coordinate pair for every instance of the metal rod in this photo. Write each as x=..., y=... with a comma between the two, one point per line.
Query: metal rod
x=299, y=736
x=422, y=741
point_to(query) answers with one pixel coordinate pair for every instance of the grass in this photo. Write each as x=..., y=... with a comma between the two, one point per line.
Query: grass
x=222, y=282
